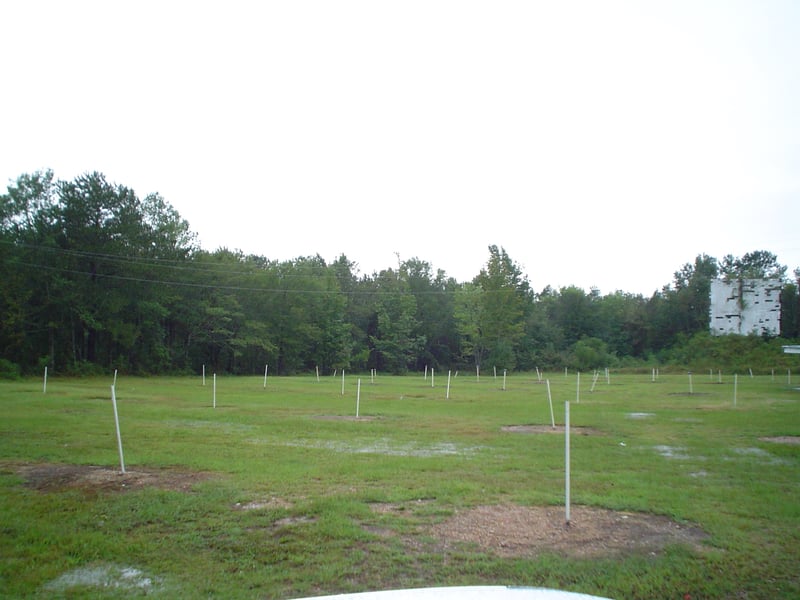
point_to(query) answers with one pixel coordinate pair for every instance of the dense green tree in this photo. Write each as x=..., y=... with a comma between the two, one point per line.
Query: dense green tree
x=467, y=309
x=27, y=307
x=434, y=295
x=790, y=308
x=505, y=300
x=359, y=313
x=621, y=324
x=759, y=264
x=83, y=248
x=543, y=344
x=397, y=340
x=591, y=353
x=575, y=313
x=693, y=291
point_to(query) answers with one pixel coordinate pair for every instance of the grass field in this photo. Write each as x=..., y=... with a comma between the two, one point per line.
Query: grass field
x=279, y=492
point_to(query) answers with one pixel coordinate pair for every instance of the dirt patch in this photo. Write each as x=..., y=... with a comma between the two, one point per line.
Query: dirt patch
x=782, y=439
x=509, y=530
x=549, y=429
x=55, y=477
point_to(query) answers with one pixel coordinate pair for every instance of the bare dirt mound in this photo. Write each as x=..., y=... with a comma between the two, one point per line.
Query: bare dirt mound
x=509, y=530
x=53, y=477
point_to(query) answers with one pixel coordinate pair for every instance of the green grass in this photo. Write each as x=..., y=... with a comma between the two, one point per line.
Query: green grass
x=655, y=448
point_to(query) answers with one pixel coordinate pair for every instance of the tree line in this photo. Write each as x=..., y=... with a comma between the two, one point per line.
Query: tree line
x=95, y=278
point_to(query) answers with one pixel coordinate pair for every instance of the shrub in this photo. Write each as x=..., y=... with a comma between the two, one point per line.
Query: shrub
x=8, y=369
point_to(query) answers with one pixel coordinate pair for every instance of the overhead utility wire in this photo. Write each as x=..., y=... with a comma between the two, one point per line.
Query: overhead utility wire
x=213, y=286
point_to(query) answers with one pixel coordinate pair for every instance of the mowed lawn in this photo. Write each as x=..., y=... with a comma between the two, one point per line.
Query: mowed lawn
x=280, y=492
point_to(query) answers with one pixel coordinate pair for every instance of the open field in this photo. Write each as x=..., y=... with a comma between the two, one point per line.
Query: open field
x=280, y=492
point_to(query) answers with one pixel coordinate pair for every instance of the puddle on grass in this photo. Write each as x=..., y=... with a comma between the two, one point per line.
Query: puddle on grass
x=219, y=425
x=383, y=446
x=389, y=448
x=782, y=439
x=114, y=577
x=272, y=503
x=672, y=452
x=757, y=452
x=759, y=455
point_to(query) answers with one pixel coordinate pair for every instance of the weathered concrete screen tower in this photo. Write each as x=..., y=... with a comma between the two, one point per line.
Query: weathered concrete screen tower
x=746, y=306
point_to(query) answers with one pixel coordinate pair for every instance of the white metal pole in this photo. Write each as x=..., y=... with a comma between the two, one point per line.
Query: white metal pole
x=550, y=400
x=495, y=372
x=735, y=385
x=447, y=395
x=653, y=377
x=214, y=392
x=116, y=423
x=691, y=390
x=317, y=370
x=425, y=378
x=504, y=380
x=266, y=368
x=358, y=396
x=44, y=385
x=432, y=371
x=204, y=376
x=566, y=460
x=478, y=372
x=342, y=382
x=115, y=378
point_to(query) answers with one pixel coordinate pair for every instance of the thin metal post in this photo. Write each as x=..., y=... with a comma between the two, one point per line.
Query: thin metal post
x=566, y=460
x=116, y=423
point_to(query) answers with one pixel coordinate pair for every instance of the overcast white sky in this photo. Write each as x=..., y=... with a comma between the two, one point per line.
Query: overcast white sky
x=601, y=143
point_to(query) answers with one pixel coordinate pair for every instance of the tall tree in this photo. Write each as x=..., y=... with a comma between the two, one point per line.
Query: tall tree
x=467, y=307
x=26, y=259
x=693, y=292
x=759, y=264
x=434, y=298
x=397, y=339
x=575, y=312
x=505, y=300
x=544, y=339
x=790, y=308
